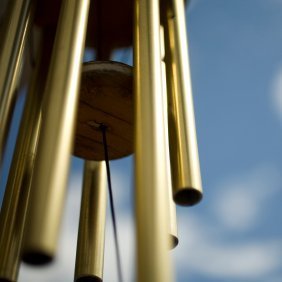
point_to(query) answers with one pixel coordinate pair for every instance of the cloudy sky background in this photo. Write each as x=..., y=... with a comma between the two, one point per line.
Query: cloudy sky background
x=235, y=233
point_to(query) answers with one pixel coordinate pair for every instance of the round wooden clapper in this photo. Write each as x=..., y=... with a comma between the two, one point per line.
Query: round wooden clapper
x=106, y=98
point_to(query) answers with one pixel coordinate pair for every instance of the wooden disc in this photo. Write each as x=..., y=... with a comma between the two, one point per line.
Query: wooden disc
x=105, y=98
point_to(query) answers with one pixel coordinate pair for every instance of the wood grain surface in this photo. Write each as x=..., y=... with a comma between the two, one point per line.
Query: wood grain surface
x=106, y=97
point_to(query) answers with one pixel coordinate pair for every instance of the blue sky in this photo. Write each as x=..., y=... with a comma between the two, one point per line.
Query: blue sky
x=235, y=233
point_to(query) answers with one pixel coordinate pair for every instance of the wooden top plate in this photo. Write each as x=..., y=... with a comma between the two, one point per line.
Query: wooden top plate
x=106, y=97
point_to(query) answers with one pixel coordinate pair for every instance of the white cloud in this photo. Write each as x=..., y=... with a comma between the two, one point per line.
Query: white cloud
x=122, y=189
x=240, y=200
x=202, y=253
x=126, y=242
x=205, y=247
x=276, y=93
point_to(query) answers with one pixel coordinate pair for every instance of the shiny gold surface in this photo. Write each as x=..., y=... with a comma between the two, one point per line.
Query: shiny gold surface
x=150, y=163
x=91, y=234
x=11, y=54
x=172, y=220
x=56, y=136
x=187, y=186
x=15, y=202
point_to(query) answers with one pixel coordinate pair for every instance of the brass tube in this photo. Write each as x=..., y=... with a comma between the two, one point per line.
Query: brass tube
x=91, y=234
x=172, y=220
x=186, y=176
x=15, y=202
x=56, y=136
x=173, y=230
x=11, y=55
x=150, y=164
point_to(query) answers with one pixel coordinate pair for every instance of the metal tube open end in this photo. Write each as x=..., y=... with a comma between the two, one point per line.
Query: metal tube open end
x=187, y=196
x=173, y=241
x=88, y=278
x=37, y=258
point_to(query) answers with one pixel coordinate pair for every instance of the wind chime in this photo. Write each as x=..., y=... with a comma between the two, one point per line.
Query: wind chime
x=98, y=111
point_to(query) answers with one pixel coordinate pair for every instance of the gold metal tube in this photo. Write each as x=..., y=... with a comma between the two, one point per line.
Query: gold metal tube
x=91, y=234
x=15, y=202
x=11, y=54
x=56, y=136
x=150, y=164
x=173, y=231
x=186, y=176
x=172, y=220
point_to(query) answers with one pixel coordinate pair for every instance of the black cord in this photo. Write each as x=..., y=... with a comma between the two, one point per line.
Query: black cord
x=103, y=129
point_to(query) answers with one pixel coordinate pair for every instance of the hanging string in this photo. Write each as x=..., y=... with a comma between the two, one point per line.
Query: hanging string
x=103, y=129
